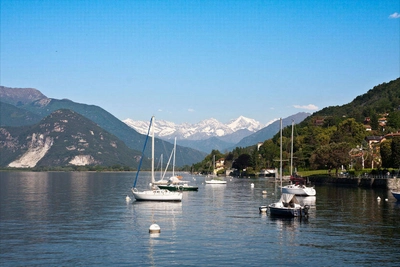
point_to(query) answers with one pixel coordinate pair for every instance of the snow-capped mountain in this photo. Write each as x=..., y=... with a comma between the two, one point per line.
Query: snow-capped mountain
x=211, y=134
x=199, y=131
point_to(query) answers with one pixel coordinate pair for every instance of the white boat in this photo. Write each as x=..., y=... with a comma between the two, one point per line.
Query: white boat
x=155, y=194
x=396, y=195
x=288, y=206
x=215, y=181
x=297, y=189
x=214, y=178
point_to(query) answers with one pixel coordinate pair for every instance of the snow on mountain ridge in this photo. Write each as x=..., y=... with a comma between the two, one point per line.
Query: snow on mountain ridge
x=199, y=131
x=244, y=123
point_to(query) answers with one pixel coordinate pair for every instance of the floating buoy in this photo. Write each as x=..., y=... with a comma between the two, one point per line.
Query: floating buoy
x=378, y=198
x=128, y=199
x=264, y=192
x=252, y=185
x=154, y=228
x=386, y=199
x=263, y=209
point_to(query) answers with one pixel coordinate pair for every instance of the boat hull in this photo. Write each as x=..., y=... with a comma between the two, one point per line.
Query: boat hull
x=288, y=206
x=396, y=195
x=179, y=187
x=215, y=182
x=157, y=195
x=299, y=190
x=287, y=212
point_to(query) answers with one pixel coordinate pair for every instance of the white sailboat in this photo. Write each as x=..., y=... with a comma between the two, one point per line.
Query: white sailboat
x=215, y=179
x=175, y=183
x=297, y=189
x=155, y=194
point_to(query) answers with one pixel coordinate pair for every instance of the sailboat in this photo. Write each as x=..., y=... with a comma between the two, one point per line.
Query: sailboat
x=155, y=194
x=175, y=183
x=214, y=179
x=288, y=205
x=297, y=189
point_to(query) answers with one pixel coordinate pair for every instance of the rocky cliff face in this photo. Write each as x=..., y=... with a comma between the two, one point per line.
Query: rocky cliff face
x=38, y=146
x=61, y=139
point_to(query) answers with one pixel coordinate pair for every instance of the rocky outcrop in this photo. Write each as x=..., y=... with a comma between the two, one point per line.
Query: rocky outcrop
x=64, y=138
x=38, y=148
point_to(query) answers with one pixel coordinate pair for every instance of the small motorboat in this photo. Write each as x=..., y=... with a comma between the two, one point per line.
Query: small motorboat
x=288, y=206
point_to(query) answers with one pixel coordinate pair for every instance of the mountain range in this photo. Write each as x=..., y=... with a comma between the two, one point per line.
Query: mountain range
x=27, y=107
x=211, y=134
x=24, y=111
x=64, y=138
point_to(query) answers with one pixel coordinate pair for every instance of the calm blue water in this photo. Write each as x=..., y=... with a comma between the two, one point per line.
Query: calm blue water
x=83, y=219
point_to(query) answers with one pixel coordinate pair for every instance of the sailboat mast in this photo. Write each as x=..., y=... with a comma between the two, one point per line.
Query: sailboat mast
x=173, y=162
x=291, y=152
x=161, y=169
x=213, y=164
x=152, y=150
x=280, y=168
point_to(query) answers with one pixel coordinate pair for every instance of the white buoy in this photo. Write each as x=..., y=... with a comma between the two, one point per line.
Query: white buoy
x=378, y=198
x=154, y=228
x=128, y=199
x=264, y=192
x=252, y=185
x=263, y=209
x=386, y=199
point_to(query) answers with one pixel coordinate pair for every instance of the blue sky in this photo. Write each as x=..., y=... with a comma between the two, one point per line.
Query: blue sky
x=185, y=61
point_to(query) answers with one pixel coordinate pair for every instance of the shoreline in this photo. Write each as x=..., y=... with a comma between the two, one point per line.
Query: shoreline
x=365, y=182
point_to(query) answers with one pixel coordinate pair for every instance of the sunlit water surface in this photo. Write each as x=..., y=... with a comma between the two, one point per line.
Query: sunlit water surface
x=83, y=219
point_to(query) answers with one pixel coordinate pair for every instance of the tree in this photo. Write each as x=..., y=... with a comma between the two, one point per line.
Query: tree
x=395, y=147
x=242, y=162
x=269, y=151
x=349, y=131
x=332, y=156
x=393, y=120
x=386, y=153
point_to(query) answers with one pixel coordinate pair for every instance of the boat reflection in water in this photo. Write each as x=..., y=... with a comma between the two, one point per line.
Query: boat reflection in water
x=307, y=200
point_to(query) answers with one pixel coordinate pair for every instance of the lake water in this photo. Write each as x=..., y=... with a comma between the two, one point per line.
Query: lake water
x=83, y=219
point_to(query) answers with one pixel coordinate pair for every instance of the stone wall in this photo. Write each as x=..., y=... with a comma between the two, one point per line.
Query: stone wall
x=389, y=183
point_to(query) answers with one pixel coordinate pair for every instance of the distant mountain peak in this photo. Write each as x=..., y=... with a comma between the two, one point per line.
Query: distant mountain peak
x=199, y=131
x=20, y=96
x=244, y=123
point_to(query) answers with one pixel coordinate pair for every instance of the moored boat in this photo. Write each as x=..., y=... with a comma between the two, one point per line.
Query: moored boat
x=396, y=195
x=288, y=206
x=155, y=194
x=182, y=186
x=299, y=190
x=214, y=178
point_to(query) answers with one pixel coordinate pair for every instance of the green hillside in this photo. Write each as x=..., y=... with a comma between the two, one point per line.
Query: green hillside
x=44, y=106
x=70, y=137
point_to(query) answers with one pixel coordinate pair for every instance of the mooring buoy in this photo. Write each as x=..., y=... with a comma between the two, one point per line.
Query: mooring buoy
x=154, y=228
